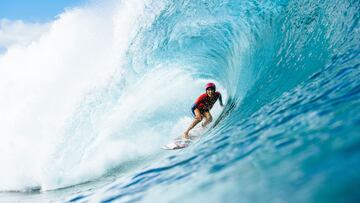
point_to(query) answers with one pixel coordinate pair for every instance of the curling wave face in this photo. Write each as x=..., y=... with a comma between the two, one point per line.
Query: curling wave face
x=289, y=71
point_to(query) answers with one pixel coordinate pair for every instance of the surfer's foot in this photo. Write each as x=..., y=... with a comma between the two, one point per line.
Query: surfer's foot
x=186, y=136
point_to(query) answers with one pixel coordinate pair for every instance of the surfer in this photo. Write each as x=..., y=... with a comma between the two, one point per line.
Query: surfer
x=202, y=106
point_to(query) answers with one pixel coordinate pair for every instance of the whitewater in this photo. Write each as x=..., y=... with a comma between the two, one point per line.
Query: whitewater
x=87, y=104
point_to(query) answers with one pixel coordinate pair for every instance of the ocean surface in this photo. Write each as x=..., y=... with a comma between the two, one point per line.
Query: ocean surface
x=87, y=105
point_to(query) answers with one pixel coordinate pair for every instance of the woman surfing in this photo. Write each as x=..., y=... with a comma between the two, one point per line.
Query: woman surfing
x=202, y=106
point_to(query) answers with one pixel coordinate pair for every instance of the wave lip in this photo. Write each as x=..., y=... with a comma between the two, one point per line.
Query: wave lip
x=288, y=70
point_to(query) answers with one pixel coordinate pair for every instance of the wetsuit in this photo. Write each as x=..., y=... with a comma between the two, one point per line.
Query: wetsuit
x=204, y=103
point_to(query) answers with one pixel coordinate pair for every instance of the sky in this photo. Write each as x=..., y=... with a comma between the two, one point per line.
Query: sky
x=22, y=21
x=34, y=10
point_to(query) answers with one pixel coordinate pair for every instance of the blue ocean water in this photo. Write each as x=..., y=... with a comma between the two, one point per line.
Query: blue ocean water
x=290, y=129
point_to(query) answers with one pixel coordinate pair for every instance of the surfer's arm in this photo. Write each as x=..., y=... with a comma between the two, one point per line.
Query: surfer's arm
x=220, y=100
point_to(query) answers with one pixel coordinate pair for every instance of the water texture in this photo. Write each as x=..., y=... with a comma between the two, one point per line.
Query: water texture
x=289, y=132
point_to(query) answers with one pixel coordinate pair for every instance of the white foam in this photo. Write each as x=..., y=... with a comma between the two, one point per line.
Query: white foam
x=67, y=116
x=42, y=83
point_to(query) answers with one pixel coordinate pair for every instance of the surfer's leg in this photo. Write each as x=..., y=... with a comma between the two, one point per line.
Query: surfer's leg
x=208, y=118
x=197, y=119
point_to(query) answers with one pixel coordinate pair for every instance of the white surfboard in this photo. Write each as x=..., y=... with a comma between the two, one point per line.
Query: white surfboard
x=176, y=144
x=179, y=143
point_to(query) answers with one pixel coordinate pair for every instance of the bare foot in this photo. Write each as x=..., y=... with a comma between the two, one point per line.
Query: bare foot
x=186, y=136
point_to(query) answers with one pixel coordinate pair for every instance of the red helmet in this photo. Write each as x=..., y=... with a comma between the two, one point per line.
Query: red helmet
x=210, y=85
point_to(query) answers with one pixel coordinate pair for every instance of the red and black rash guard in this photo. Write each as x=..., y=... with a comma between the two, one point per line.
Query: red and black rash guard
x=205, y=103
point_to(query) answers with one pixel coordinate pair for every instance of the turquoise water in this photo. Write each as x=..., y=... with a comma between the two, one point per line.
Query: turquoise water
x=290, y=129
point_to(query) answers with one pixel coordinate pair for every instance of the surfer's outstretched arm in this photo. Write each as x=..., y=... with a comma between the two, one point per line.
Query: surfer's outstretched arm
x=220, y=100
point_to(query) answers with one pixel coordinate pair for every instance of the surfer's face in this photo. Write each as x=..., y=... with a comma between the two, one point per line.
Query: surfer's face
x=210, y=92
